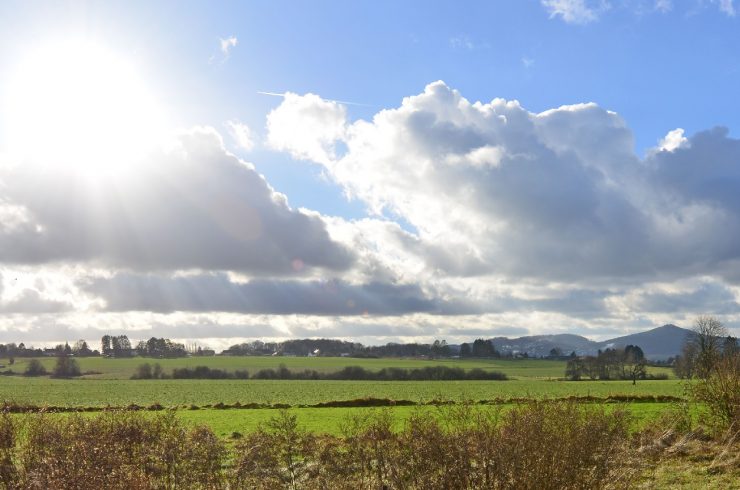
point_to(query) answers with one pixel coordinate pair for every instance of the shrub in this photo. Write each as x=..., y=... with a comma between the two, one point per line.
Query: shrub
x=35, y=368
x=66, y=367
x=118, y=450
x=719, y=390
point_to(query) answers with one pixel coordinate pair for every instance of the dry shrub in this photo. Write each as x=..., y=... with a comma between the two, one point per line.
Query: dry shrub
x=535, y=446
x=8, y=473
x=275, y=456
x=562, y=445
x=719, y=390
x=123, y=450
x=538, y=445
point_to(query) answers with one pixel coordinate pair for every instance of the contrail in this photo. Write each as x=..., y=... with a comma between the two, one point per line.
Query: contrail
x=275, y=94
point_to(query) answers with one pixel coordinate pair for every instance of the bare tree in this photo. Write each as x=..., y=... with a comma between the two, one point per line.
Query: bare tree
x=709, y=333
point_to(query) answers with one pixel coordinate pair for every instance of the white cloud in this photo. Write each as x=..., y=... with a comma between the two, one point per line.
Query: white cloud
x=573, y=11
x=241, y=134
x=227, y=44
x=462, y=41
x=558, y=195
x=663, y=5
x=307, y=127
x=726, y=6
x=673, y=140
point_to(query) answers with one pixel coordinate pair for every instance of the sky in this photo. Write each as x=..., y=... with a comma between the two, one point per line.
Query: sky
x=375, y=171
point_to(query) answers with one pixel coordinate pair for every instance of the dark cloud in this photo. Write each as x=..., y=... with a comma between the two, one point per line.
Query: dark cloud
x=709, y=298
x=195, y=207
x=215, y=292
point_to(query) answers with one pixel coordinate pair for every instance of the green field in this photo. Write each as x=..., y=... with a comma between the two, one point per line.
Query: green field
x=529, y=379
x=91, y=392
x=330, y=420
x=124, y=368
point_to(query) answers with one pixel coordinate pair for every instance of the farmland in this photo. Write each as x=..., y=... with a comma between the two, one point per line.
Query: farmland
x=111, y=386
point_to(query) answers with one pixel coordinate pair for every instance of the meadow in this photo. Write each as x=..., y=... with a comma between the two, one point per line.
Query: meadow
x=111, y=386
x=108, y=368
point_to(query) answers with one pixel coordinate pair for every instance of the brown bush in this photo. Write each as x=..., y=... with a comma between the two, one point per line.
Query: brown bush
x=540, y=445
x=117, y=450
x=275, y=456
x=719, y=390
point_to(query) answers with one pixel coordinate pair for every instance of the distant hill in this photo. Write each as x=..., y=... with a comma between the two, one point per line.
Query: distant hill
x=658, y=343
x=541, y=345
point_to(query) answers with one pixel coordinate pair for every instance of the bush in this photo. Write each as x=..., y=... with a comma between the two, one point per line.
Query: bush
x=538, y=445
x=66, y=367
x=117, y=450
x=35, y=368
x=719, y=390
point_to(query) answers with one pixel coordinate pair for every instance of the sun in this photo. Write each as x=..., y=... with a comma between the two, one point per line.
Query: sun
x=77, y=106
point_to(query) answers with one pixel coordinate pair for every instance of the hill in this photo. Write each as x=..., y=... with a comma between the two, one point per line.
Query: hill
x=658, y=343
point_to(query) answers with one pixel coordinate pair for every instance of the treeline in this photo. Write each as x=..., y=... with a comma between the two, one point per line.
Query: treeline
x=120, y=346
x=78, y=349
x=353, y=373
x=463, y=447
x=627, y=363
x=338, y=348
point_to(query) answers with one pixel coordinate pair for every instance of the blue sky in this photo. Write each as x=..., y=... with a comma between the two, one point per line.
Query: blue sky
x=658, y=69
x=658, y=65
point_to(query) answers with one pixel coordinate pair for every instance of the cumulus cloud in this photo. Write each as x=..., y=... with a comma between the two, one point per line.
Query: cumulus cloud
x=194, y=206
x=554, y=196
x=673, y=140
x=307, y=127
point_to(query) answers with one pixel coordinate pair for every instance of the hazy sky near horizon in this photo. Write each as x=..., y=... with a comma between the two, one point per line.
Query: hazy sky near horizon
x=380, y=171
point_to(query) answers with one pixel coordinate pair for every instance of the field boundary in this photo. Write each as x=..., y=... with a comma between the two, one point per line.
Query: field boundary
x=12, y=407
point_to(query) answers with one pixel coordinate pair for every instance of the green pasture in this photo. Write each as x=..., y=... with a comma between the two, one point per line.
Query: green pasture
x=225, y=423
x=124, y=368
x=102, y=392
x=331, y=420
x=529, y=379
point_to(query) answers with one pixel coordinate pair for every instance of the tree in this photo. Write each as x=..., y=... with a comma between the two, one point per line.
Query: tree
x=465, y=350
x=81, y=349
x=707, y=336
x=575, y=369
x=637, y=370
x=105, y=345
x=634, y=353
x=718, y=371
x=66, y=367
x=440, y=348
x=35, y=368
x=684, y=363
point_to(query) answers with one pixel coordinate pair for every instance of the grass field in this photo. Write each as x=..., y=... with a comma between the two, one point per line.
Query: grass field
x=124, y=368
x=529, y=379
x=330, y=420
x=90, y=392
